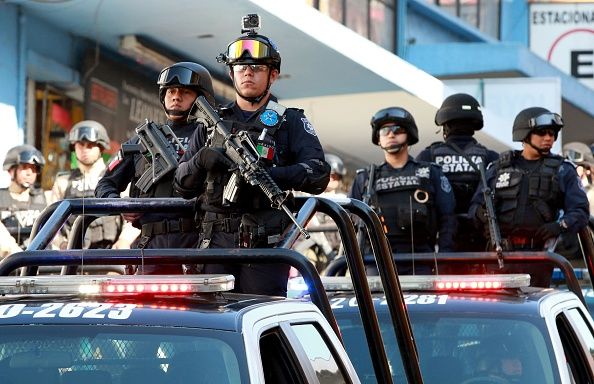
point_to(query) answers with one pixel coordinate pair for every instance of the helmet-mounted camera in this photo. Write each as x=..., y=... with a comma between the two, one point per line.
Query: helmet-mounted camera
x=250, y=24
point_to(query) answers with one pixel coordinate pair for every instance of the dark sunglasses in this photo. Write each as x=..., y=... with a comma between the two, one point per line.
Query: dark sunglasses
x=395, y=129
x=545, y=131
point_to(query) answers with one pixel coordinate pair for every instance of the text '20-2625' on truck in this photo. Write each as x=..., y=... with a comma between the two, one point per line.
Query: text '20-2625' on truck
x=77, y=327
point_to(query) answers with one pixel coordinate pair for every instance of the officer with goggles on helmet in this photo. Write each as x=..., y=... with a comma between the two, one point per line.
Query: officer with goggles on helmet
x=459, y=156
x=414, y=198
x=88, y=139
x=532, y=187
x=179, y=86
x=288, y=146
x=23, y=200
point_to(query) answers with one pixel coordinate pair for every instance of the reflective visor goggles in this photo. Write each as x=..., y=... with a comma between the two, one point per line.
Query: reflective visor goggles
x=30, y=157
x=85, y=133
x=575, y=156
x=178, y=75
x=546, y=120
x=255, y=48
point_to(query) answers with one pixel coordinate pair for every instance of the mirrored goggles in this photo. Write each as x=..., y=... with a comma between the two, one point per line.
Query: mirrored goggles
x=546, y=120
x=395, y=129
x=178, y=75
x=575, y=156
x=255, y=48
x=30, y=157
x=85, y=133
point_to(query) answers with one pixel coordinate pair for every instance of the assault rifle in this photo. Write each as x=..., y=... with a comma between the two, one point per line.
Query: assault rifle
x=156, y=145
x=241, y=150
x=494, y=232
x=366, y=198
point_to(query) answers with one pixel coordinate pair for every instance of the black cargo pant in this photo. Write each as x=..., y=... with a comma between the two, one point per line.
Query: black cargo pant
x=260, y=279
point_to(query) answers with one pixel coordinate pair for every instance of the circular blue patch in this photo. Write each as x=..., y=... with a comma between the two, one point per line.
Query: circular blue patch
x=269, y=118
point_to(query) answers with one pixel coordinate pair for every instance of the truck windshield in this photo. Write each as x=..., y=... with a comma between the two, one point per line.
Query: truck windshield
x=119, y=354
x=455, y=348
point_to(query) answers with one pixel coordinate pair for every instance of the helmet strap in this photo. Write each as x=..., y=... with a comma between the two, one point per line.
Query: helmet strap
x=393, y=148
x=540, y=151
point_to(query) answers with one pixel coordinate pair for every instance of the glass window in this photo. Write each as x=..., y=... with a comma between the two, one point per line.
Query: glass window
x=381, y=27
x=582, y=328
x=322, y=360
x=356, y=16
x=459, y=347
x=131, y=355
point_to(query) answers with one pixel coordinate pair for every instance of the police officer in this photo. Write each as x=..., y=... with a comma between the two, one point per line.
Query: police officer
x=23, y=200
x=88, y=139
x=179, y=86
x=458, y=155
x=337, y=174
x=533, y=186
x=581, y=155
x=289, y=149
x=414, y=198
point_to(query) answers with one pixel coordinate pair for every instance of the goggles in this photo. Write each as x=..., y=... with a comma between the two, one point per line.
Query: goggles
x=545, y=131
x=85, y=133
x=395, y=129
x=546, y=120
x=30, y=157
x=575, y=156
x=255, y=48
x=178, y=75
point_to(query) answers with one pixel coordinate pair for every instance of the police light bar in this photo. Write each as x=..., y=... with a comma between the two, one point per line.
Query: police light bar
x=116, y=285
x=426, y=282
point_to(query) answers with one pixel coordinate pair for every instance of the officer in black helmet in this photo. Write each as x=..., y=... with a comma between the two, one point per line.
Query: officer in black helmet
x=414, y=198
x=459, y=155
x=88, y=139
x=288, y=147
x=23, y=200
x=538, y=195
x=179, y=86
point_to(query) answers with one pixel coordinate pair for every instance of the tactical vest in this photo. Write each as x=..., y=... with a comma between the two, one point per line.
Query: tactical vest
x=265, y=137
x=406, y=199
x=524, y=200
x=19, y=216
x=101, y=232
x=463, y=177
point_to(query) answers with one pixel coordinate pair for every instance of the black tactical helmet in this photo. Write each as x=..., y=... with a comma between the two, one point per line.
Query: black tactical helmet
x=336, y=164
x=23, y=154
x=460, y=106
x=89, y=130
x=252, y=49
x=397, y=115
x=187, y=75
x=534, y=118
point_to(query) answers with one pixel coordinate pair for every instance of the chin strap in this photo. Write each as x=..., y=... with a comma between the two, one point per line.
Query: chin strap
x=393, y=148
x=540, y=151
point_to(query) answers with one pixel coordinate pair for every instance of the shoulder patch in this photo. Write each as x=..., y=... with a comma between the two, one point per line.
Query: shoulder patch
x=115, y=161
x=308, y=126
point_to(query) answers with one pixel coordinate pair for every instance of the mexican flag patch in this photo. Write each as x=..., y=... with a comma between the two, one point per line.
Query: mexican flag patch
x=265, y=151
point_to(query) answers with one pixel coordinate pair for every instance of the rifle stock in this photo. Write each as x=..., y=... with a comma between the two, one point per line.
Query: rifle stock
x=241, y=150
x=494, y=232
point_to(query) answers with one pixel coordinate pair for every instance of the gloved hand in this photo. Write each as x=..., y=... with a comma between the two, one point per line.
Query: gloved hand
x=212, y=159
x=548, y=230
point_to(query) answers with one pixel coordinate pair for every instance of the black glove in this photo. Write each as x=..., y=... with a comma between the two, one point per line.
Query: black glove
x=212, y=159
x=548, y=230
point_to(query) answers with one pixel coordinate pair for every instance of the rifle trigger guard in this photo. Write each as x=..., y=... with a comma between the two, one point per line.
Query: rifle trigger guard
x=421, y=196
